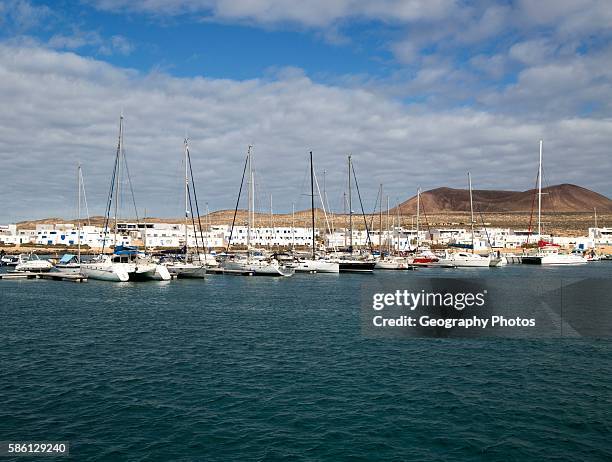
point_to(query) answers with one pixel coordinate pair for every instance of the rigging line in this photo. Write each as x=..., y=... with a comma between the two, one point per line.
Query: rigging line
x=85, y=197
x=535, y=189
x=194, y=226
x=365, y=221
x=195, y=196
x=373, y=214
x=229, y=242
x=127, y=170
x=109, y=201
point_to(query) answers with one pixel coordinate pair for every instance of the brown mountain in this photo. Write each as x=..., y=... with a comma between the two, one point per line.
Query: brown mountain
x=558, y=198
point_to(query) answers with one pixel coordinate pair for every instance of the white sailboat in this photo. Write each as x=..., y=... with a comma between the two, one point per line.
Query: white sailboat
x=70, y=263
x=250, y=264
x=467, y=259
x=389, y=261
x=185, y=268
x=126, y=263
x=548, y=253
x=314, y=264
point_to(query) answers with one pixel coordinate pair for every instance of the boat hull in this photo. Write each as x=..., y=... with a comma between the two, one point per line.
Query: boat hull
x=187, y=271
x=356, y=266
x=105, y=272
x=316, y=266
x=553, y=260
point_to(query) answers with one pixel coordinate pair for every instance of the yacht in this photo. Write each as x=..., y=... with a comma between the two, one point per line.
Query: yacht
x=253, y=263
x=390, y=262
x=253, y=266
x=314, y=264
x=32, y=263
x=188, y=266
x=465, y=260
x=125, y=264
x=548, y=254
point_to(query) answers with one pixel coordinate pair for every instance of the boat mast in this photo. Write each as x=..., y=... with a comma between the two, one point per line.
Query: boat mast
x=388, y=241
x=595, y=210
x=418, y=216
x=118, y=176
x=350, y=206
x=186, y=201
x=79, y=212
x=293, y=226
x=380, y=228
x=540, y=195
x=471, y=208
x=271, y=223
x=250, y=197
x=312, y=212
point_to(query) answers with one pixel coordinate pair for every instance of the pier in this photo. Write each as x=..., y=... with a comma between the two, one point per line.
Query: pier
x=52, y=275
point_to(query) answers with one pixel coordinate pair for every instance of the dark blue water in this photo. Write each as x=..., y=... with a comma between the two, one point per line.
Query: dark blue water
x=238, y=368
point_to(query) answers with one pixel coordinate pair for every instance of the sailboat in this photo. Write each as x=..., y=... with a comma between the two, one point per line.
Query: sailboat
x=423, y=257
x=314, y=264
x=389, y=261
x=126, y=263
x=548, y=253
x=71, y=263
x=252, y=264
x=467, y=259
x=350, y=263
x=185, y=268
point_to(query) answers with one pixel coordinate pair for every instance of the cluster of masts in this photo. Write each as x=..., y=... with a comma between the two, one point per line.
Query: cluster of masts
x=130, y=263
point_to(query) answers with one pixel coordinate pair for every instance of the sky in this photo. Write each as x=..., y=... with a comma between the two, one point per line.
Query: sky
x=419, y=92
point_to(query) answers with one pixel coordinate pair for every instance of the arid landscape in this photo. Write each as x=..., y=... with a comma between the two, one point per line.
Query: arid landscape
x=567, y=210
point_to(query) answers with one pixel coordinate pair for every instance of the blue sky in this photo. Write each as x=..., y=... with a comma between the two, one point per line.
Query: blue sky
x=418, y=91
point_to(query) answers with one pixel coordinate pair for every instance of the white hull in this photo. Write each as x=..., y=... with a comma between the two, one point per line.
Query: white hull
x=34, y=266
x=73, y=268
x=316, y=266
x=554, y=259
x=105, y=271
x=466, y=260
x=392, y=264
x=256, y=268
x=186, y=270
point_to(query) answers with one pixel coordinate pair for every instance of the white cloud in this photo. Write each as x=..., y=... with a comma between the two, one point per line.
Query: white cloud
x=65, y=107
x=311, y=13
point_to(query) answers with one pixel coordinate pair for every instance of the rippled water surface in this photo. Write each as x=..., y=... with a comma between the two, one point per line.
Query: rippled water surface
x=239, y=368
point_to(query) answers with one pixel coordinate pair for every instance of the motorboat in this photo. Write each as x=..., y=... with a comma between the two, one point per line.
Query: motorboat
x=32, y=263
x=69, y=263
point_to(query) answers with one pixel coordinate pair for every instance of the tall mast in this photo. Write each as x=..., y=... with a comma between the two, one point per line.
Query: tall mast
x=388, y=241
x=250, y=194
x=293, y=226
x=471, y=208
x=312, y=205
x=272, y=234
x=595, y=210
x=186, y=200
x=118, y=175
x=380, y=230
x=540, y=194
x=344, y=214
x=79, y=212
x=350, y=205
x=417, y=216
